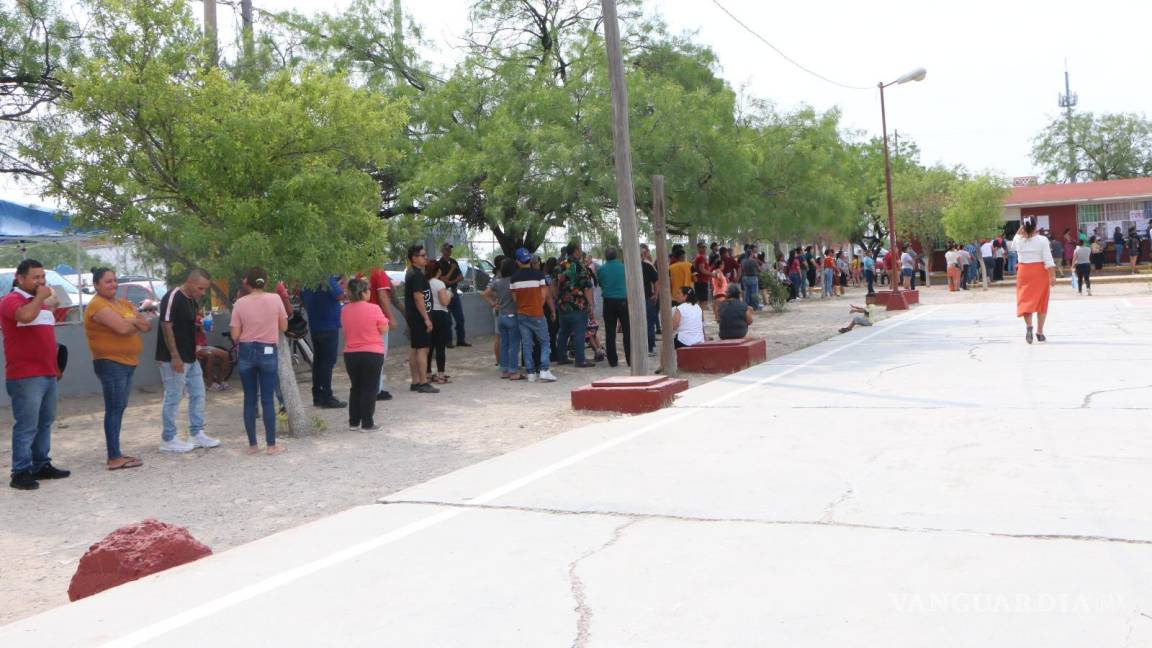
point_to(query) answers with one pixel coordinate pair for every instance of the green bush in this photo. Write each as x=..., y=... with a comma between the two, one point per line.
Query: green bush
x=777, y=291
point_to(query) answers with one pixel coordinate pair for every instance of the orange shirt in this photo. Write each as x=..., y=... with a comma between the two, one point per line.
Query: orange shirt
x=107, y=344
x=829, y=263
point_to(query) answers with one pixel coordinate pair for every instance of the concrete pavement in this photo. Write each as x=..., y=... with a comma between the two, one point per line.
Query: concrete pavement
x=932, y=481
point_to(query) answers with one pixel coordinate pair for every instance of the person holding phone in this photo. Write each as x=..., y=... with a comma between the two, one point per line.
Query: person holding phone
x=1035, y=277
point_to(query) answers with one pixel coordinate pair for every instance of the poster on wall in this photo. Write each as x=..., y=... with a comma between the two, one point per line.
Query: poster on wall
x=1042, y=223
x=1140, y=220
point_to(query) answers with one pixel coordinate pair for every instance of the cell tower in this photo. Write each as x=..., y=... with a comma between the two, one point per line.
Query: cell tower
x=1068, y=101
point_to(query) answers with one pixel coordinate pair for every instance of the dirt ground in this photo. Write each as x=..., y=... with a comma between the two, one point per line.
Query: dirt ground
x=227, y=498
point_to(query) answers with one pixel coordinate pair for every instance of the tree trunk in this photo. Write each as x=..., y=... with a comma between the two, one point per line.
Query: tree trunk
x=928, y=268
x=211, y=49
x=298, y=422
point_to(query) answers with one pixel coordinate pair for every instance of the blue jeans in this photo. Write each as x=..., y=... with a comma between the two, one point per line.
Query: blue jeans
x=829, y=282
x=1119, y=252
x=174, y=385
x=797, y=284
x=325, y=348
x=534, y=330
x=653, y=311
x=116, y=382
x=508, y=328
x=257, y=369
x=1013, y=259
x=751, y=287
x=573, y=327
x=870, y=277
x=33, y=411
x=457, y=310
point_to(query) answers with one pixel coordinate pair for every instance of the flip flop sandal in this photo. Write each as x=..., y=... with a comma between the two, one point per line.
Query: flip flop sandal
x=516, y=377
x=129, y=462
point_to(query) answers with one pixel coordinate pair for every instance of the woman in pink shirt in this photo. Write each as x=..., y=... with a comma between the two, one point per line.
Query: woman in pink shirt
x=258, y=318
x=363, y=324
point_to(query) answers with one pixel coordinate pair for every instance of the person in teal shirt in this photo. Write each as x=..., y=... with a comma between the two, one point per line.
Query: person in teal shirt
x=614, y=290
x=869, y=265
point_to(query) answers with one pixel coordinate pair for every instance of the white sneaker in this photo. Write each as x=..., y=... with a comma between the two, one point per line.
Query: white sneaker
x=547, y=376
x=533, y=377
x=203, y=441
x=176, y=446
x=1089, y=292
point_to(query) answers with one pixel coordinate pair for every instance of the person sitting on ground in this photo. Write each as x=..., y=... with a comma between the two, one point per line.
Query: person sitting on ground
x=733, y=315
x=215, y=362
x=688, y=320
x=861, y=316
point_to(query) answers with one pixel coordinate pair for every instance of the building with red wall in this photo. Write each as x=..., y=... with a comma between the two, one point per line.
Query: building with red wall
x=1097, y=208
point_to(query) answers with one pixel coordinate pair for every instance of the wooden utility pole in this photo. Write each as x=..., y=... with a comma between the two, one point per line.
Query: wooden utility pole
x=246, y=31
x=625, y=194
x=660, y=233
x=212, y=49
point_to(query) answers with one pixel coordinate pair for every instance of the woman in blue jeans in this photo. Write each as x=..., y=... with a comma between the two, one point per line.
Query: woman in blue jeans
x=258, y=319
x=500, y=299
x=113, y=327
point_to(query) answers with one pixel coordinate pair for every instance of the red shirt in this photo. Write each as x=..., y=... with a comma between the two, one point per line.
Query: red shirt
x=29, y=349
x=701, y=267
x=829, y=263
x=376, y=282
x=730, y=266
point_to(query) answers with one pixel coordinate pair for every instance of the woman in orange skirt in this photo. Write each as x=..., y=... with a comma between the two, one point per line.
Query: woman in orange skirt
x=1035, y=276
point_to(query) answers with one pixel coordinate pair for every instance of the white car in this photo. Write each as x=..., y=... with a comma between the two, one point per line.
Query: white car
x=71, y=299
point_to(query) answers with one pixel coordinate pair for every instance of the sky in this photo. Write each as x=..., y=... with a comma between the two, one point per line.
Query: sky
x=995, y=69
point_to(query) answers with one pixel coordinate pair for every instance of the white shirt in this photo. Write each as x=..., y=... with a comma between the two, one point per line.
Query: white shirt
x=1034, y=249
x=437, y=286
x=691, y=329
x=950, y=258
x=986, y=249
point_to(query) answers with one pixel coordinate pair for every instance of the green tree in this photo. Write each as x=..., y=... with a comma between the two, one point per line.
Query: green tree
x=1106, y=147
x=37, y=44
x=920, y=196
x=213, y=172
x=974, y=211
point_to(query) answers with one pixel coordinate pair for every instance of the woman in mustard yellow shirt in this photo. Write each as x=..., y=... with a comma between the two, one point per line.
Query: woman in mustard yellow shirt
x=113, y=327
x=679, y=276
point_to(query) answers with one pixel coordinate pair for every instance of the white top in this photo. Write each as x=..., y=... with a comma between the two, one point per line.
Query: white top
x=691, y=330
x=1034, y=249
x=950, y=258
x=986, y=249
x=437, y=286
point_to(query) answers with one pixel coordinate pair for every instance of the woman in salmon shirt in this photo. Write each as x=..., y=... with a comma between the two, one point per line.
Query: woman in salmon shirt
x=363, y=324
x=113, y=327
x=258, y=318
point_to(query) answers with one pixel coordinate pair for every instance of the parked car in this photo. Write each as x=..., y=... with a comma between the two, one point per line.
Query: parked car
x=477, y=274
x=138, y=290
x=71, y=299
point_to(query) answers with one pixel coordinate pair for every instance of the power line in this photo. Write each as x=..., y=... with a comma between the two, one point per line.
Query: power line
x=782, y=54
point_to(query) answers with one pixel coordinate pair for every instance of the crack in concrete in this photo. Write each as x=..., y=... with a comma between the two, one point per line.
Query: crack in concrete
x=1088, y=398
x=813, y=523
x=903, y=366
x=830, y=510
x=972, y=352
x=583, y=611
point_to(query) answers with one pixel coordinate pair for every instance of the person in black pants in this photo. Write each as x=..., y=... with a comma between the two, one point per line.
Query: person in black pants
x=322, y=303
x=363, y=324
x=441, y=320
x=452, y=278
x=614, y=289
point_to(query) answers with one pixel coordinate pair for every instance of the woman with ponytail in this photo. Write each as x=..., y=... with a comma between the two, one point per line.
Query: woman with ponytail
x=258, y=318
x=1035, y=276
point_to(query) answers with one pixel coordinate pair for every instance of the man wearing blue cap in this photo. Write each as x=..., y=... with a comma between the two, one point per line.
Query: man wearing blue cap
x=530, y=290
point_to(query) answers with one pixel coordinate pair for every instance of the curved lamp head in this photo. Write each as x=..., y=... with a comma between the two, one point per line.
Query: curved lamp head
x=915, y=75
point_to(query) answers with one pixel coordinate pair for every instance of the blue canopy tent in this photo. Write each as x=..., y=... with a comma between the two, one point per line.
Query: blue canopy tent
x=24, y=223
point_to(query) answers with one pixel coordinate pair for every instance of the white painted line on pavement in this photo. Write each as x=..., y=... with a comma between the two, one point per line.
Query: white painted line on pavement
x=243, y=594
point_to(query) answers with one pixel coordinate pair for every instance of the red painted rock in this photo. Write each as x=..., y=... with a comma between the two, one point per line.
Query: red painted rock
x=133, y=552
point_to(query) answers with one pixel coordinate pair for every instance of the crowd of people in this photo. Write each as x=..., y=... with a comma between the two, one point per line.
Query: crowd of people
x=544, y=313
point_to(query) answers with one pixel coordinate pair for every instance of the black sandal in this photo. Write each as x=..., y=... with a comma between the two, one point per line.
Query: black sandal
x=1040, y=337
x=1028, y=335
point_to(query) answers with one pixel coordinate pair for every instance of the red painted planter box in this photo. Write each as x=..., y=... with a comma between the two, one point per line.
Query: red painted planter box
x=722, y=356
x=628, y=395
x=905, y=298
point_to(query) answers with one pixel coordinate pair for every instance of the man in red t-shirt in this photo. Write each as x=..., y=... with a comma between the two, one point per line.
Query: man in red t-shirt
x=383, y=296
x=703, y=272
x=31, y=373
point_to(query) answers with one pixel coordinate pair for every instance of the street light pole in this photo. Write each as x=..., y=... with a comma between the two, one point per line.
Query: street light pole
x=915, y=75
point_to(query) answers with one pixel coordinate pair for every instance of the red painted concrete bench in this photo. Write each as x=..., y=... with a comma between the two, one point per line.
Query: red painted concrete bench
x=628, y=394
x=903, y=300
x=722, y=356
